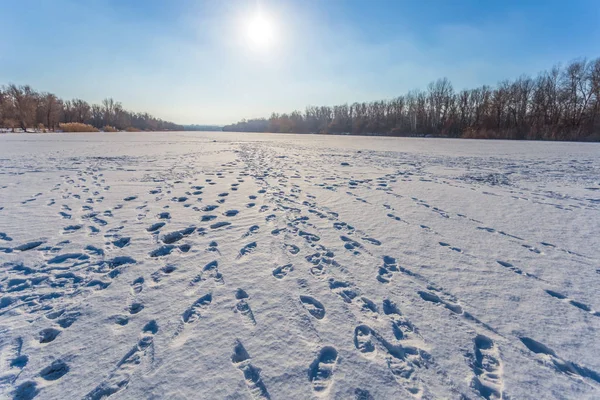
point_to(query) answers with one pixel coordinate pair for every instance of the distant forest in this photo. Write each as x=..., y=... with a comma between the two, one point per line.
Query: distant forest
x=560, y=104
x=195, y=127
x=24, y=108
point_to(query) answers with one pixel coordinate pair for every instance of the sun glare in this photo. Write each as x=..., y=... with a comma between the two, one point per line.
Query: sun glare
x=260, y=32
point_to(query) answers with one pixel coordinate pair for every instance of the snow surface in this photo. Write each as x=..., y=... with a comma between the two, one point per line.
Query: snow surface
x=238, y=266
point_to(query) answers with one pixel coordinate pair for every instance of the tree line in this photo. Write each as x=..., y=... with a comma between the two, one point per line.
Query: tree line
x=24, y=108
x=560, y=104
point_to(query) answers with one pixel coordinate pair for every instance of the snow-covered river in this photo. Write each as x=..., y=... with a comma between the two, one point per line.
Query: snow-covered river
x=234, y=265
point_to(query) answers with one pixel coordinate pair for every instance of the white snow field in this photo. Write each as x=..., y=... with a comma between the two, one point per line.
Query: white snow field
x=239, y=266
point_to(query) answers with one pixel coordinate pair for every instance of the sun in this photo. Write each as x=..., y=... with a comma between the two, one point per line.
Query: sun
x=260, y=31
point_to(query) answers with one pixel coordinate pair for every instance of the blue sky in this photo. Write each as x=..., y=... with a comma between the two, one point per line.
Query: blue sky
x=190, y=62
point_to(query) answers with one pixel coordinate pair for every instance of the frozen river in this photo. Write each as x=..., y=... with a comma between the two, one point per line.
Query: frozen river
x=237, y=265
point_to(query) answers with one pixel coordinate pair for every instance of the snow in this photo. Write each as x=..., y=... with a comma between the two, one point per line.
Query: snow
x=238, y=266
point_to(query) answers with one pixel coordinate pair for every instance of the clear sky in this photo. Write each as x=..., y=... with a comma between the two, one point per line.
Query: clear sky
x=193, y=62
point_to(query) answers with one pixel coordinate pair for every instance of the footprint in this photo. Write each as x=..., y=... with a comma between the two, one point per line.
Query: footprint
x=48, y=335
x=433, y=298
x=156, y=226
x=55, y=371
x=29, y=246
x=343, y=289
x=176, y=236
x=26, y=391
x=67, y=319
x=247, y=249
x=313, y=306
x=372, y=241
x=135, y=308
x=12, y=361
x=212, y=271
x=362, y=394
x=137, y=286
x=320, y=373
x=363, y=341
x=241, y=360
x=292, y=248
x=401, y=326
x=282, y=271
x=309, y=237
x=243, y=307
x=162, y=251
x=122, y=242
x=68, y=256
x=157, y=276
x=369, y=307
x=487, y=366
x=72, y=228
x=548, y=356
x=220, y=225
x=384, y=274
x=141, y=353
x=350, y=244
x=193, y=313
